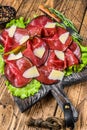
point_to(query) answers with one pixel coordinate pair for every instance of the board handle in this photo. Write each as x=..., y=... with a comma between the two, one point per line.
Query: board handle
x=75, y=78
x=70, y=113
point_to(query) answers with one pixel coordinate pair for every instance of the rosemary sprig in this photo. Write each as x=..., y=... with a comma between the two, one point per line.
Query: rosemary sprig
x=66, y=23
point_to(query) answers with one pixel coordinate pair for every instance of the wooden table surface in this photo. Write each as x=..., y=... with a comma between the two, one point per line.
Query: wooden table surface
x=10, y=116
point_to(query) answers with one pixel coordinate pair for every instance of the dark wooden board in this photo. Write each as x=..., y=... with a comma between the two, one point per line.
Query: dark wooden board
x=75, y=78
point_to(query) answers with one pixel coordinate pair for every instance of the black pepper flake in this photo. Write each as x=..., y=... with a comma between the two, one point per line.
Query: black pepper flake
x=7, y=13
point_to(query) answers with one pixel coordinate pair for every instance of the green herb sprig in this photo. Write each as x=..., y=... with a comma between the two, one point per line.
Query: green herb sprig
x=66, y=23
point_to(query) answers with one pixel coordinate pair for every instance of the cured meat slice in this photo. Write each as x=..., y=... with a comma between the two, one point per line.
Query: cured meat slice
x=44, y=74
x=34, y=30
x=37, y=51
x=55, y=43
x=54, y=62
x=8, y=42
x=75, y=49
x=71, y=58
x=48, y=32
x=3, y=37
x=23, y=64
x=36, y=25
x=39, y=21
x=21, y=35
x=61, y=31
x=14, y=71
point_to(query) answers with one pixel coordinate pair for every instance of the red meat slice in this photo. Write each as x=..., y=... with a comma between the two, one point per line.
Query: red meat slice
x=44, y=72
x=23, y=64
x=61, y=30
x=48, y=32
x=54, y=42
x=71, y=58
x=14, y=71
x=34, y=30
x=3, y=37
x=39, y=21
x=8, y=42
x=52, y=63
x=75, y=49
x=19, y=34
x=29, y=52
x=35, y=26
x=12, y=42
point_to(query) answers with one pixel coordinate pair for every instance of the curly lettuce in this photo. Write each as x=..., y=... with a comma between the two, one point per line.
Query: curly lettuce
x=2, y=63
x=29, y=90
x=21, y=23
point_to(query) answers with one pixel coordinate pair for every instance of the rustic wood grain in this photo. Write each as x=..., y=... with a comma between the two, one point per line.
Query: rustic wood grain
x=82, y=121
x=74, y=10
x=76, y=92
x=10, y=111
x=14, y=3
x=5, y=114
x=14, y=119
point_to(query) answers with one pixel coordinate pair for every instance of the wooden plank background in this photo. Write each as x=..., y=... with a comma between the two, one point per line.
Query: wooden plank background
x=10, y=116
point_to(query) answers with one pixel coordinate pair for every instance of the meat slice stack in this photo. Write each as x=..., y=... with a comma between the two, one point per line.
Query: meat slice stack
x=42, y=50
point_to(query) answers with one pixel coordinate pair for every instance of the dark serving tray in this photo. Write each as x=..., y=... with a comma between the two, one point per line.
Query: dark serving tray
x=70, y=113
x=75, y=78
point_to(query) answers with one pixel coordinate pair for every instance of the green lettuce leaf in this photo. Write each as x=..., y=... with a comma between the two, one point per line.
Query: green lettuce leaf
x=1, y=49
x=2, y=63
x=18, y=22
x=29, y=90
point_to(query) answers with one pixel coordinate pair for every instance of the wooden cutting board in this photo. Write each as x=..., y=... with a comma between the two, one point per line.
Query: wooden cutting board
x=10, y=116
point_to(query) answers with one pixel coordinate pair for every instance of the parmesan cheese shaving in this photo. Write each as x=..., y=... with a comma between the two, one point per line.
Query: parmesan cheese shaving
x=31, y=72
x=63, y=37
x=56, y=75
x=39, y=52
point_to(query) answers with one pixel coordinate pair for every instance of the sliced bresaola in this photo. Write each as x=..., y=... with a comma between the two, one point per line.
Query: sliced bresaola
x=15, y=69
x=35, y=26
x=21, y=35
x=48, y=32
x=54, y=62
x=3, y=37
x=57, y=41
x=75, y=49
x=34, y=30
x=9, y=32
x=8, y=42
x=44, y=72
x=40, y=21
x=37, y=51
x=71, y=58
